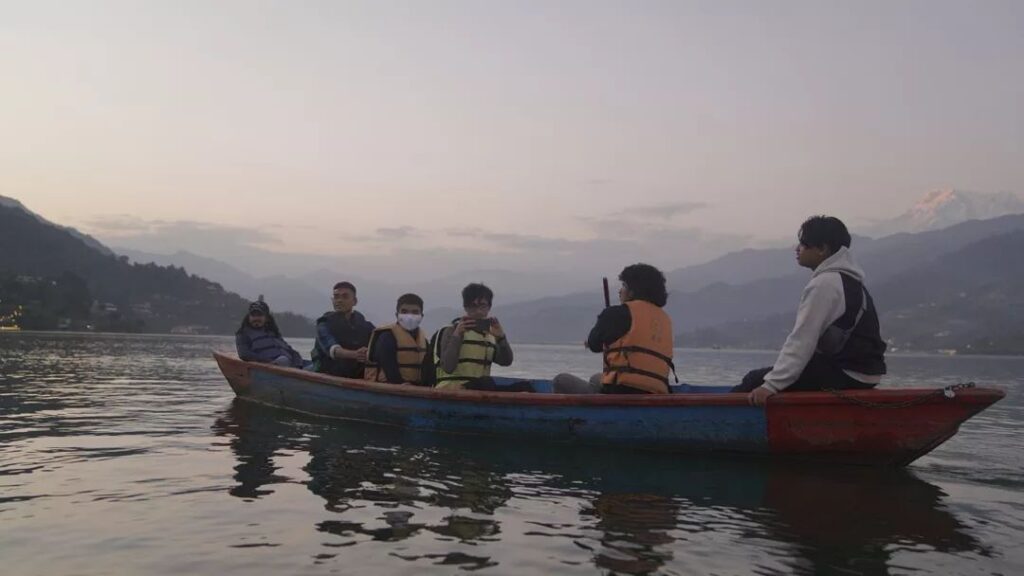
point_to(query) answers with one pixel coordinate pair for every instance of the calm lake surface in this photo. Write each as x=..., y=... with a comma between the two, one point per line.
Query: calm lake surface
x=130, y=455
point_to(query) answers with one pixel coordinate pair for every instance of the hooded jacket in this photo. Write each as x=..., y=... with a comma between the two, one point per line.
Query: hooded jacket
x=262, y=345
x=822, y=303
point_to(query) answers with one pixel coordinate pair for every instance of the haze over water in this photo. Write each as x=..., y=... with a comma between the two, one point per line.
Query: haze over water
x=130, y=455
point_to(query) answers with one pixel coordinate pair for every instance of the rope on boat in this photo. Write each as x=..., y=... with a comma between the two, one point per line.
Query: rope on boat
x=948, y=392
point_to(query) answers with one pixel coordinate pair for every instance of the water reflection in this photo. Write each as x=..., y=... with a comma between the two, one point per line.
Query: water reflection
x=352, y=469
x=635, y=530
x=639, y=512
x=880, y=514
x=105, y=448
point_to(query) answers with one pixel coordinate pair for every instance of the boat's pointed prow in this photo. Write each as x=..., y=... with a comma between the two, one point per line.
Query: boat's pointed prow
x=878, y=427
x=235, y=371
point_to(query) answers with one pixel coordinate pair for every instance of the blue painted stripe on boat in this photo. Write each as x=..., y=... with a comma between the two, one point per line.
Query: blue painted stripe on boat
x=682, y=428
x=546, y=387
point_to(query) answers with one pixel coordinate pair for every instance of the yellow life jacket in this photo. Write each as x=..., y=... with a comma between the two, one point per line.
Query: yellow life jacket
x=642, y=358
x=410, y=355
x=475, y=357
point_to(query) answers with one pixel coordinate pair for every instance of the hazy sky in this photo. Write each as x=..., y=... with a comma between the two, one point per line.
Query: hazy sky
x=338, y=127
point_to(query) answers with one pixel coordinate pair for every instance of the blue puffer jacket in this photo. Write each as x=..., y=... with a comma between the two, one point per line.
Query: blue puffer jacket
x=263, y=346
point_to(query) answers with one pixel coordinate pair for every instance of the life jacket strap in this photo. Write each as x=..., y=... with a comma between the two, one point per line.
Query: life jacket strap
x=620, y=369
x=483, y=343
x=642, y=350
x=627, y=349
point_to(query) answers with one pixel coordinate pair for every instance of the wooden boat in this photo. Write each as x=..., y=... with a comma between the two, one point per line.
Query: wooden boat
x=874, y=427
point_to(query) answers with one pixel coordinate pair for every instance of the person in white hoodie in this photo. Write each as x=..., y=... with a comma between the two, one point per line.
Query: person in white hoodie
x=836, y=341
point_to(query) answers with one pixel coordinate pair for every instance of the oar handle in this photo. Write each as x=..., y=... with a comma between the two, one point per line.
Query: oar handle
x=607, y=298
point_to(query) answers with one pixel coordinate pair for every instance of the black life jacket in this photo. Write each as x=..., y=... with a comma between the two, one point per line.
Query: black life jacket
x=266, y=345
x=854, y=342
x=351, y=334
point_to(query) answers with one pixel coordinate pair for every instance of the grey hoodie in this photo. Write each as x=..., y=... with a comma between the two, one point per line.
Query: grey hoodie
x=821, y=304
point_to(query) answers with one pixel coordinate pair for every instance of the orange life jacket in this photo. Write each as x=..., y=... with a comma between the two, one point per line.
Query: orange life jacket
x=410, y=355
x=642, y=358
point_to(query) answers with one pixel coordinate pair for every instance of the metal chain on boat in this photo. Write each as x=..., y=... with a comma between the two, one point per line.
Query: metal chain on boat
x=947, y=392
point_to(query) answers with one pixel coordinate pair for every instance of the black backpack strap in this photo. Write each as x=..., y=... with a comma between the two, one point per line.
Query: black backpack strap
x=428, y=371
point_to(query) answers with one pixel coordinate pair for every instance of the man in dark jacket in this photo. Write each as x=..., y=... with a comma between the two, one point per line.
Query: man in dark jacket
x=342, y=336
x=258, y=339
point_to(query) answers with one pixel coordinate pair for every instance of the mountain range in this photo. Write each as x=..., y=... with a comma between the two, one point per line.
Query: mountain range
x=969, y=299
x=89, y=241
x=307, y=292
x=954, y=287
x=52, y=277
x=720, y=303
x=310, y=293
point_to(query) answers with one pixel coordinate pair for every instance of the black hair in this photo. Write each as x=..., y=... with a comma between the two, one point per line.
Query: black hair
x=475, y=291
x=409, y=299
x=646, y=283
x=345, y=286
x=821, y=231
x=270, y=325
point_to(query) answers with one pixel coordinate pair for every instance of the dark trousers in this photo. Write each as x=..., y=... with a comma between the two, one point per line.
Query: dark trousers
x=487, y=384
x=819, y=374
x=620, y=389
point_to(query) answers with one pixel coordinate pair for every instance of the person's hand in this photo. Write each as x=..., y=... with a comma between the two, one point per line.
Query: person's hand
x=465, y=323
x=361, y=354
x=760, y=395
x=496, y=330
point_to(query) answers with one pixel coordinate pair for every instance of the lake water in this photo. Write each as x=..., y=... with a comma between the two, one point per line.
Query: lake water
x=130, y=455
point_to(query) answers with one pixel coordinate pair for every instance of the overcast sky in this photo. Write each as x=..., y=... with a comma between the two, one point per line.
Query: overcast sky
x=348, y=128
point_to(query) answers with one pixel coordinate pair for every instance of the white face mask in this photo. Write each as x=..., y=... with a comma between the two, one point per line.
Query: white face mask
x=410, y=321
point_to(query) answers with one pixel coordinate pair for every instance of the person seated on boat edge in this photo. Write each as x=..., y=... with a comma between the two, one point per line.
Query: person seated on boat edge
x=342, y=336
x=258, y=339
x=635, y=338
x=396, y=351
x=836, y=340
x=464, y=351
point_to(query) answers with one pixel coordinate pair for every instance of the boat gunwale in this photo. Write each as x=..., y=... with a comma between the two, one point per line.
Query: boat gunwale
x=986, y=396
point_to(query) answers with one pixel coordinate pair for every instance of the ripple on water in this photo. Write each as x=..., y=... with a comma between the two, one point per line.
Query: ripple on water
x=122, y=453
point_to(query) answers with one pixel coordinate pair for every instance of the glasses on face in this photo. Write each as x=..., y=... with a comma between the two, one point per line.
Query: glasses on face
x=479, y=305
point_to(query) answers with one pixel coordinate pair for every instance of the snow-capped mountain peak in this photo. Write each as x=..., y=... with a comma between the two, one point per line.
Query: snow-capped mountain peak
x=946, y=207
